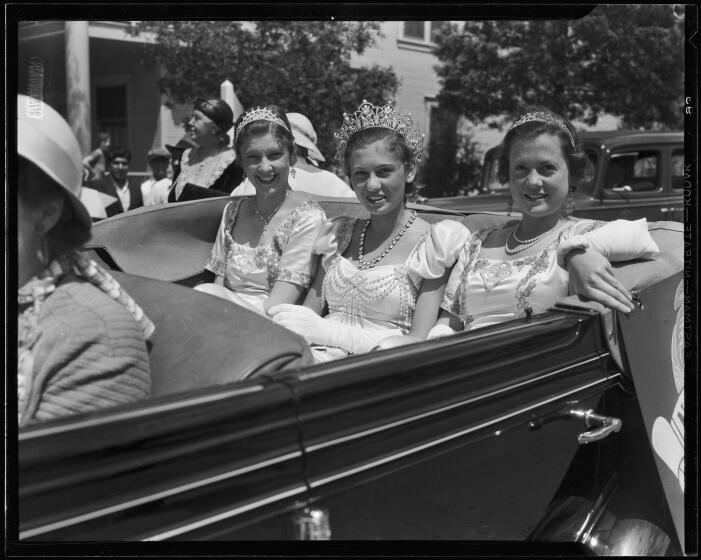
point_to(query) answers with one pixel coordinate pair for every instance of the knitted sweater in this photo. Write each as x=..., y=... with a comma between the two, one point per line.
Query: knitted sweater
x=90, y=354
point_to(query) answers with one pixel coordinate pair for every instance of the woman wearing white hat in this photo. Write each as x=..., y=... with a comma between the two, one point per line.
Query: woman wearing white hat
x=80, y=337
x=306, y=175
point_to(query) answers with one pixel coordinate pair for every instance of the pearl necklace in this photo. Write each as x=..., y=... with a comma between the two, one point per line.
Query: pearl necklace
x=265, y=221
x=364, y=264
x=523, y=244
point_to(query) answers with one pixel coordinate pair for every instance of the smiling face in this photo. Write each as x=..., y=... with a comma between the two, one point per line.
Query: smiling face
x=266, y=162
x=538, y=175
x=119, y=167
x=379, y=177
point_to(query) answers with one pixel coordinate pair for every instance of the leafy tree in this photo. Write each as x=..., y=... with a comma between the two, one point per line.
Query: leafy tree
x=302, y=66
x=622, y=59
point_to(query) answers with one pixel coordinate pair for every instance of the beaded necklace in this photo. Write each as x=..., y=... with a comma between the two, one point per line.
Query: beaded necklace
x=265, y=221
x=365, y=264
x=523, y=244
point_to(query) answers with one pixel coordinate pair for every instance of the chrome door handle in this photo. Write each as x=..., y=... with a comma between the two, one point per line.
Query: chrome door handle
x=600, y=426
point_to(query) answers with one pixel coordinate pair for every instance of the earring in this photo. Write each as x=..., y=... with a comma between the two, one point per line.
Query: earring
x=293, y=172
x=510, y=205
x=569, y=205
x=43, y=252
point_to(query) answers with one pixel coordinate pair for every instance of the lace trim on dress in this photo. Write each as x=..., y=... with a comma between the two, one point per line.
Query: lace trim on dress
x=220, y=162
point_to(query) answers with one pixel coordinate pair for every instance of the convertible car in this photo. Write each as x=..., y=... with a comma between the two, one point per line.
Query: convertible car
x=565, y=427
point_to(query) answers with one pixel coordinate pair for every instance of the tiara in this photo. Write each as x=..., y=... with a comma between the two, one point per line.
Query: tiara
x=547, y=118
x=260, y=114
x=375, y=116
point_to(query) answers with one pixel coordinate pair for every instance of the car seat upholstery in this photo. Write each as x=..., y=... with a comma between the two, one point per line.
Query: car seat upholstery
x=201, y=340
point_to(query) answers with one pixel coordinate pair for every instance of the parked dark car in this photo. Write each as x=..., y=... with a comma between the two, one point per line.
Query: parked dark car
x=630, y=174
x=531, y=430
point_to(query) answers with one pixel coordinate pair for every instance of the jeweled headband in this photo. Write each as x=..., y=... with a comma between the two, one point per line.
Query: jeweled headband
x=545, y=118
x=261, y=114
x=375, y=116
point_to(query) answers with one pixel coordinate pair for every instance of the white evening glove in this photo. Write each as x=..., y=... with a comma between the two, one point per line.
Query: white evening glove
x=438, y=330
x=317, y=330
x=620, y=240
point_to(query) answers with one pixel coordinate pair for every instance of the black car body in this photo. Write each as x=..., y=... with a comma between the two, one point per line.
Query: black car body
x=480, y=436
x=630, y=175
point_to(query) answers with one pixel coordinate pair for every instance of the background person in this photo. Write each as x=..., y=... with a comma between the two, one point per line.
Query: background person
x=518, y=269
x=154, y=190
x=176, y=152
x=306, y=175
x=95, y=163
x=118, y=184
x=263, y=251
x=81, y=338
x=207, y=169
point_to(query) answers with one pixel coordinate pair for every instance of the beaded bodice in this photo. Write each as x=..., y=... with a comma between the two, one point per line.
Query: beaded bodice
x=383, y=293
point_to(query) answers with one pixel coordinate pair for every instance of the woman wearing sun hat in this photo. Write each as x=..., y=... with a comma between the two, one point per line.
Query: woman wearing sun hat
x=306, y=175
x=80, y=337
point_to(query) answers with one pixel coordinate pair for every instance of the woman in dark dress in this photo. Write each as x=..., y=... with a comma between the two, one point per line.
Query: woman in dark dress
x=208, y=169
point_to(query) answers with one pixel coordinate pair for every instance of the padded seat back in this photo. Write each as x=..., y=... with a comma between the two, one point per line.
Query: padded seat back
x=172, y=242
x=202, y=340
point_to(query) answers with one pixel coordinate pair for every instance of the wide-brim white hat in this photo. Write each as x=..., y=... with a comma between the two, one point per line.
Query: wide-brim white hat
x=304, y=134
x=46, y=139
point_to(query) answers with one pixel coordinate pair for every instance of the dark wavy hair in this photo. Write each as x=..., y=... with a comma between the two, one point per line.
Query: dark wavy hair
x=118, y=152
x=574, y=155
x=260, y=128
x=36, y=189
x=394, y=142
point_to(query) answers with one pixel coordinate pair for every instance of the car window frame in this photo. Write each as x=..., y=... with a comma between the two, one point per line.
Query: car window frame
x=662, y=189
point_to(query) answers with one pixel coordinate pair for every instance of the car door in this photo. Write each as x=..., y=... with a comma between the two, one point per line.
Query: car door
x=452, y=438
x=187, y=467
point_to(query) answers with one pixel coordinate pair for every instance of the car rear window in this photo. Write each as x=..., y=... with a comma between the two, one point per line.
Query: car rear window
x=678, y=168
x=633, y=171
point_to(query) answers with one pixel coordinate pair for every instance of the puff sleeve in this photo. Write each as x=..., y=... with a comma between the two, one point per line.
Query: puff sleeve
x=297, y=260
x=217, y=259
x=620, y=240
x=451, y=296
x=437, y=251
x=333, y=238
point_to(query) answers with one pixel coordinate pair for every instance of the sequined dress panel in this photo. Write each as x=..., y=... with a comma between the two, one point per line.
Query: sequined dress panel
x=285, y=255
x=485, y=291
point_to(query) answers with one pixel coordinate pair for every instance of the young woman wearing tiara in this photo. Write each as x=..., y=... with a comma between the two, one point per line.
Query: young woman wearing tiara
x=382, y=276
x=520, y=268
x=262, y=255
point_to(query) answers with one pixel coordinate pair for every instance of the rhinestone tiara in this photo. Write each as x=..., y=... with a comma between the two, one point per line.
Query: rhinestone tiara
x=375, y=116
x=542, y=117
x=260, y=114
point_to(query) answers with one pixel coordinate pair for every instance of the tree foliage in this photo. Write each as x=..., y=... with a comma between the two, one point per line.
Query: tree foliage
x=622, y=59
x=302, y=66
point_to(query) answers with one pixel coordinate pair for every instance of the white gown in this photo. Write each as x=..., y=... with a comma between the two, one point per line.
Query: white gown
x=380, y=299
x=250, y=273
